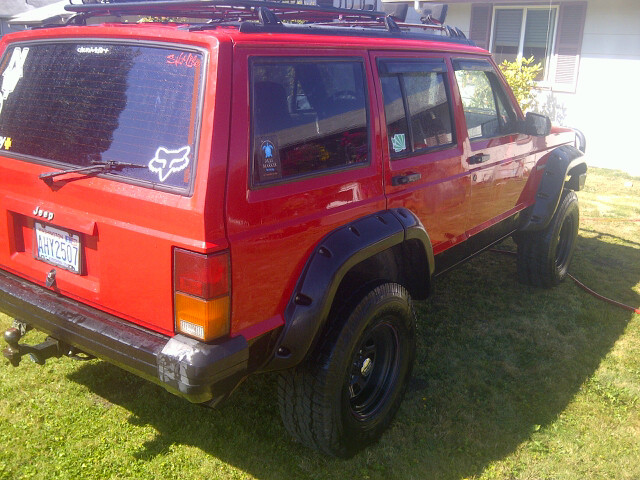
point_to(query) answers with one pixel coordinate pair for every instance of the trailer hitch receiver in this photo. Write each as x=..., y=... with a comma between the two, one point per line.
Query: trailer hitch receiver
x=39, y=353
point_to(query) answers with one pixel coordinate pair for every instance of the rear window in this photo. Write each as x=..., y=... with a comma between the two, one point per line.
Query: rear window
x=80, y=103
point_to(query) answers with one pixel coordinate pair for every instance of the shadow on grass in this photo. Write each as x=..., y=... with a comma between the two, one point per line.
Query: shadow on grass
x=496, y=362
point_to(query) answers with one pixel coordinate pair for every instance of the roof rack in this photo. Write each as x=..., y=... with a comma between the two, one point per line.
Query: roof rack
x=321, y=17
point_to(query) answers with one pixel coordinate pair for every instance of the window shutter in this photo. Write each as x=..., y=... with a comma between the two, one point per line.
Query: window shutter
x=508, y=26
x=538, y=28
x=481, y=24
x=568, y=45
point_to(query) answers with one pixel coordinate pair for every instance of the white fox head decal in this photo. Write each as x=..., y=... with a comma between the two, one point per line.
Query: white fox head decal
x=168, y=161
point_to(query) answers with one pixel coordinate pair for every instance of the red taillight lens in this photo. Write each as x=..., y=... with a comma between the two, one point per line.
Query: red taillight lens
x=202, y=294
x=204, y=276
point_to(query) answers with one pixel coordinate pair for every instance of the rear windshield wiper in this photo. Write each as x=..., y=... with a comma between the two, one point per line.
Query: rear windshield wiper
x=95, y=168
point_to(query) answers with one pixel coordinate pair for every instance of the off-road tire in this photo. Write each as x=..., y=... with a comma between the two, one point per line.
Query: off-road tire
x=544, y=256
x=343, y=397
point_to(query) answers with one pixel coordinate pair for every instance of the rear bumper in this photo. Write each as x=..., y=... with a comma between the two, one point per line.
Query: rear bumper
x=197, y=371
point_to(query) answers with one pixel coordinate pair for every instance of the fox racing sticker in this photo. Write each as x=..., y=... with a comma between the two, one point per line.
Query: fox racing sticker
x=168, y=161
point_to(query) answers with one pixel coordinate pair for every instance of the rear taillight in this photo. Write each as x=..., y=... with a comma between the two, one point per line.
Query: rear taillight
x=202, y=294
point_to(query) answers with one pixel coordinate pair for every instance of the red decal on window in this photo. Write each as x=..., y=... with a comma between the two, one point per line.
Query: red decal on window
x=188, y=60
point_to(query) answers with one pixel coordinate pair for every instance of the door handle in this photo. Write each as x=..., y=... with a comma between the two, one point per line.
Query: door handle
x=478, y=158
x=404, y=179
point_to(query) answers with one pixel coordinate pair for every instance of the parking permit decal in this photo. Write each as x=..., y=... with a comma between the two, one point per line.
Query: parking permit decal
x=268, y=159
x=398, y=142
x=168, y=161
x=13, y=73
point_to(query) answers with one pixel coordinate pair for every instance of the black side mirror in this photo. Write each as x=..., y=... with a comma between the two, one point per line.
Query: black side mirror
x=536, y=125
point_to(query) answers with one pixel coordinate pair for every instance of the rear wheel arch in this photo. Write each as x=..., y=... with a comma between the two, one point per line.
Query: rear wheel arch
x=388, y=246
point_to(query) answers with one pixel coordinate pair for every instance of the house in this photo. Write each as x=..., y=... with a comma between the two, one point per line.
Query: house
x=9, y=8
x=37, y=12
x=590, y=51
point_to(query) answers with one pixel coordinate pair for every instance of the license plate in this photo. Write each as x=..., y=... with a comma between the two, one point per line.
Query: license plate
x=58, y=247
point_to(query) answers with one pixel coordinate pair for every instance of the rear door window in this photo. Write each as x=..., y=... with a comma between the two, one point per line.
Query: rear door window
x=309, y=117
x=416, y=105
x=76, y=103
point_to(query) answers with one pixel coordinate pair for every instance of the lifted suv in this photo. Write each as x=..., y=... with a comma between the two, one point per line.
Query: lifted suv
x=229, y=194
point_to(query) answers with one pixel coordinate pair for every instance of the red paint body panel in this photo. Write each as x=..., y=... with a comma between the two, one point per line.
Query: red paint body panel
x=129, y=231
x=273, y=230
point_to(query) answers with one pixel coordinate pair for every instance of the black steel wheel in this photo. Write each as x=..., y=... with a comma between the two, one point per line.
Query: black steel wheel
x=346, y=395
x=374, y=369
x=544, y=257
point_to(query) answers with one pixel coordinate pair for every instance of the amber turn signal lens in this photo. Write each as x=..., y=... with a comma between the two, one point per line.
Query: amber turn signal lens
x=202, y=319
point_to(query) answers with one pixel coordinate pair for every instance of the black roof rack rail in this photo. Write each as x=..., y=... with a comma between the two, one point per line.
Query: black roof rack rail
x=358, y=19
x=214, y=9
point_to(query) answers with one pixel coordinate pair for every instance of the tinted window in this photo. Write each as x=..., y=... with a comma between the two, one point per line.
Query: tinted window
x=487, y=110
x=308, y=117
x=79, y=103
x=416, y=107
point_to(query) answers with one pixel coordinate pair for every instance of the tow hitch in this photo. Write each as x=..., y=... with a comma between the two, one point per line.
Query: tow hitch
x=38, y=353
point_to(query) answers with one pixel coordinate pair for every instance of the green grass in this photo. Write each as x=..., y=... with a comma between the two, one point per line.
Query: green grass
x=510, y=382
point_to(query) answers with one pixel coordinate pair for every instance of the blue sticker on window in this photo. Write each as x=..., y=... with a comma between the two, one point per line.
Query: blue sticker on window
x=268, y=159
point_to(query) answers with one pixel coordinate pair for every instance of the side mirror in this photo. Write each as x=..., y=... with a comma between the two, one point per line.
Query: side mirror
x=536, y=125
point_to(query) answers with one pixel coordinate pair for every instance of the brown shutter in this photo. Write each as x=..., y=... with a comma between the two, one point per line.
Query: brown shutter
x=480, y=27
x=568, y=45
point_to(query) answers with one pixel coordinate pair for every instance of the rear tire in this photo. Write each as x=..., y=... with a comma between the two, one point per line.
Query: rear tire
x=544, y=256
x=346, y=395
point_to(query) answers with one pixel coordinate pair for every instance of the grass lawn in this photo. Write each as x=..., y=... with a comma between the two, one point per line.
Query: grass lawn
x=510, y=382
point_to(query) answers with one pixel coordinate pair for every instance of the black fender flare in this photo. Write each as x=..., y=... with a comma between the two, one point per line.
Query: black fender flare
x=564, y=161
x=337, y=253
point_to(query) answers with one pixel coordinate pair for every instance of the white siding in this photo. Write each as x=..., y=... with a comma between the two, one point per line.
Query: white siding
x=607, y=101
x=459, y=15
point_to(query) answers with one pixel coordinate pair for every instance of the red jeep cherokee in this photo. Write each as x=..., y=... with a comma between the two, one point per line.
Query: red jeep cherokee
x=236, y=192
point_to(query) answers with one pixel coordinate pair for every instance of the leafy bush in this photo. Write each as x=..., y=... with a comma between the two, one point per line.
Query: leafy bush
x=521, y=76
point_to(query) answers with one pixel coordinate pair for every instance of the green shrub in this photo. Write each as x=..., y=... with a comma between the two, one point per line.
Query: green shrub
x=521, y=76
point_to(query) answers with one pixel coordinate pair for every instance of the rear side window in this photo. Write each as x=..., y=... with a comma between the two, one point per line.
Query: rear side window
x=308, y=117
x=79, y=103
x=416, y=105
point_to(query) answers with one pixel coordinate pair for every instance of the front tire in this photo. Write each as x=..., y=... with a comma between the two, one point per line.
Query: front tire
x=544, y=256
x=344, y=397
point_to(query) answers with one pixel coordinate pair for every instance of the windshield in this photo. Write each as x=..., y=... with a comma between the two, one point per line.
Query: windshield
x=81, y=103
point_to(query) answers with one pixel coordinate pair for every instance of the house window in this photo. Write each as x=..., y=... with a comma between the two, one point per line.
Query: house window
x=524, y=32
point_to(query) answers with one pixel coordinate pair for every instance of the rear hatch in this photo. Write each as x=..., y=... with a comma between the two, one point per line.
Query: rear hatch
x=99, y=153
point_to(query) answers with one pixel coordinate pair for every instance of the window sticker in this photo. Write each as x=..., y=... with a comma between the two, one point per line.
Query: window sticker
x=5, y=143
x=93, y=49
x=13, y=73
x=166, y=161
x=398, y=142
x=268, y=156
x=188, y=60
